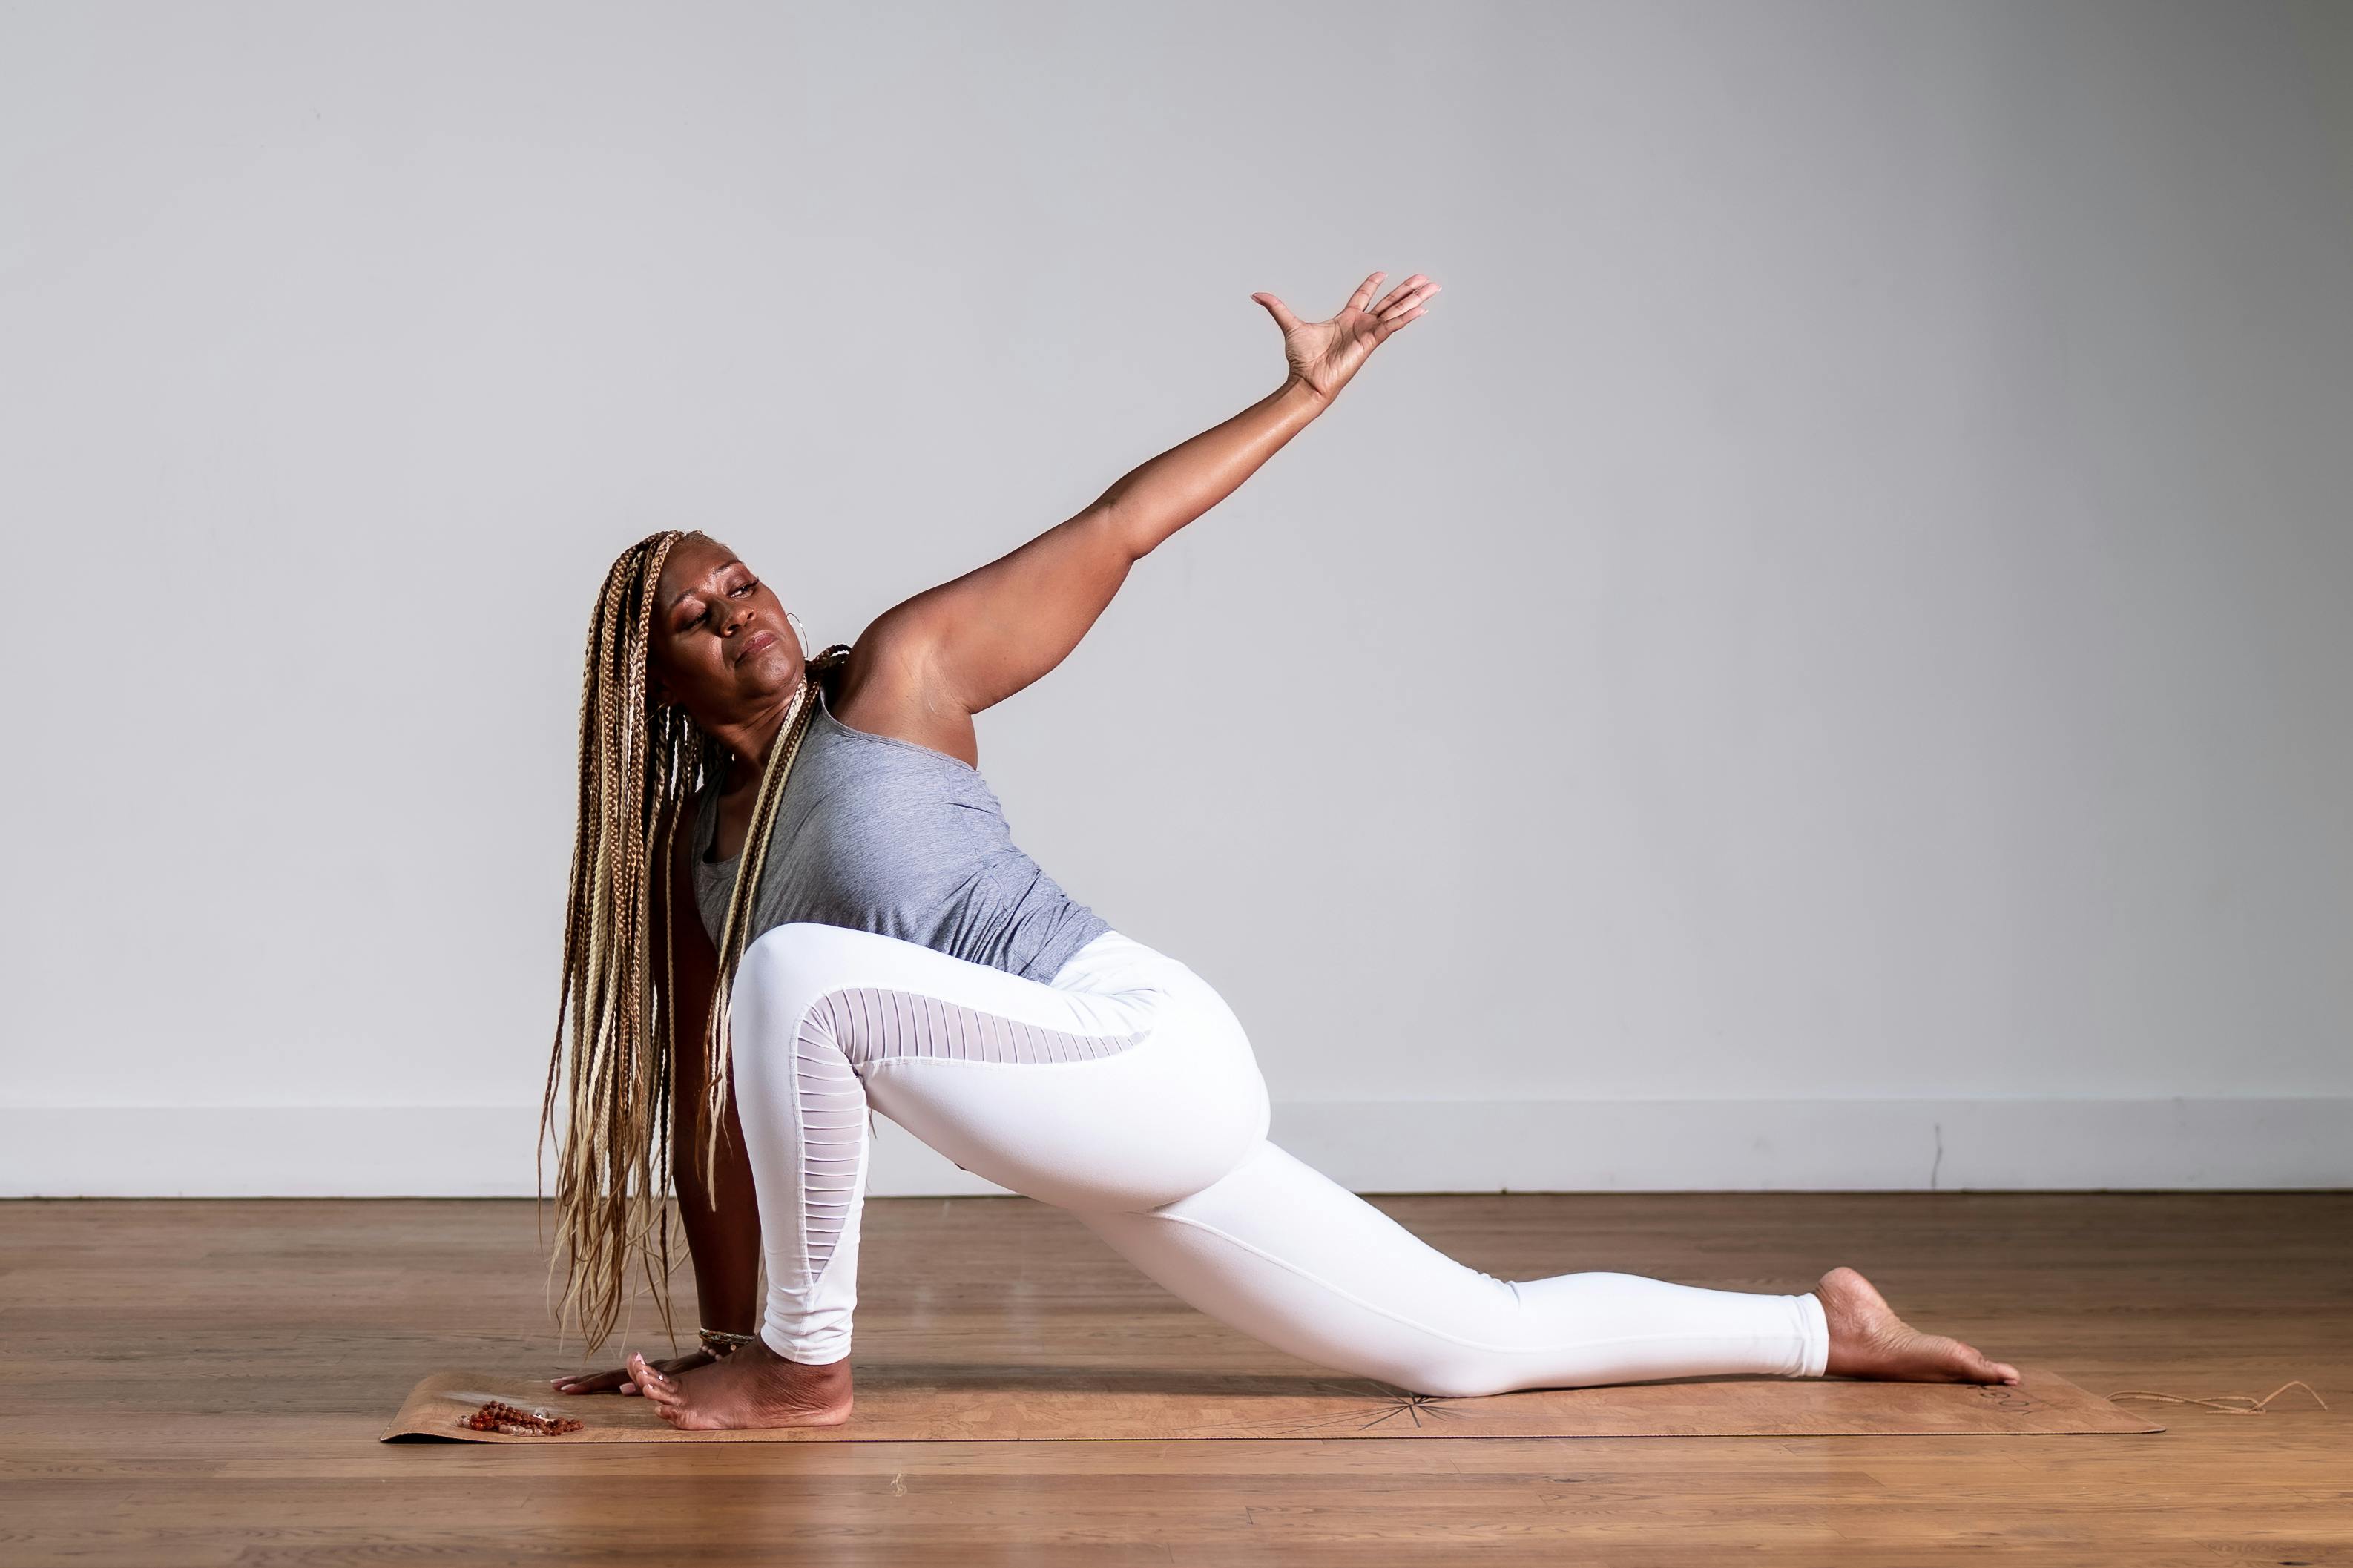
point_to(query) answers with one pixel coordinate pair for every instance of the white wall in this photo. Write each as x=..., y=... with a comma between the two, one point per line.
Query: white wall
x=1821, y=662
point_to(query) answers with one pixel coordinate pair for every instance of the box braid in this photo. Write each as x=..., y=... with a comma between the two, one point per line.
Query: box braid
x=639, y=766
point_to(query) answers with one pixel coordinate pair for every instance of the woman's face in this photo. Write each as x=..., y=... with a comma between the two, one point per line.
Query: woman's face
x=722, y=647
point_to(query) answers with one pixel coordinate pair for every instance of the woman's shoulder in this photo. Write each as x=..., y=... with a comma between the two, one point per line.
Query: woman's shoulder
x=884, y=687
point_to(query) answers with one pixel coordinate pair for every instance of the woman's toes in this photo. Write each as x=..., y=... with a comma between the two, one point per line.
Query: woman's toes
x=1983, y=1368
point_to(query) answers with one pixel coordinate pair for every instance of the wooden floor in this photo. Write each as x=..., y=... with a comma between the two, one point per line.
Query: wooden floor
x=198, y=1382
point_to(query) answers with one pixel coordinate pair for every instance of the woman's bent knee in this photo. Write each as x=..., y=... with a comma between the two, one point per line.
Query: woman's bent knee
x=1199, y=1112
x=1159, y=1120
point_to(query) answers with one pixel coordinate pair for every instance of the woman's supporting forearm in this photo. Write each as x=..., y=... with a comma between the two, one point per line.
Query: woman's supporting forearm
x=1156, y=499
x=725, y=1240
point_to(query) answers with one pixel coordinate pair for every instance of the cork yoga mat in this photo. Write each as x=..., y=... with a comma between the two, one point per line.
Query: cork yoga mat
x=908, y=1404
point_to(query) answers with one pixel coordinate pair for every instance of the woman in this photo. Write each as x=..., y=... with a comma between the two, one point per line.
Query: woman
x=847, y=917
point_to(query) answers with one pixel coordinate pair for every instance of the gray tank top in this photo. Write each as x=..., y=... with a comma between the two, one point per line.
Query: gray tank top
x=882, y=835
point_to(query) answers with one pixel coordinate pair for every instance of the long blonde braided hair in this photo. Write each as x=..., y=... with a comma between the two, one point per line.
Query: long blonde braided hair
x=639, y=766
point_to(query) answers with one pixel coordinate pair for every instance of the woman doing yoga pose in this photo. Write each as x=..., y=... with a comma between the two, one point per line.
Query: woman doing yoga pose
x=847, y=919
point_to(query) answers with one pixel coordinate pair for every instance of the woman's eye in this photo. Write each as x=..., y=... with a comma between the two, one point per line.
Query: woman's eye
x=748, y=586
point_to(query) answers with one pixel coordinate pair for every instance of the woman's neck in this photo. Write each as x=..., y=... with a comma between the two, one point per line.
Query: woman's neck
x=746, y=744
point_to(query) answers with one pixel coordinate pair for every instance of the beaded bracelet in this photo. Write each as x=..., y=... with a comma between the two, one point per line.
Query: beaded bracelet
x=720, y=1342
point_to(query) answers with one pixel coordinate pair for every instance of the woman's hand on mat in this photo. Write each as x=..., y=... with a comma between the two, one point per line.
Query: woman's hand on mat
x=618, y=1379
x=1325, y=354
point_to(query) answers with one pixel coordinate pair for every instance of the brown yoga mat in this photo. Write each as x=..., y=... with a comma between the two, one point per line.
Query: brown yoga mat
x=915, y=1404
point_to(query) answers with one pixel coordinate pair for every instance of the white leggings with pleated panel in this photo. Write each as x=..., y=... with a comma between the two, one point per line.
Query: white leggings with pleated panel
x=1126, y=1092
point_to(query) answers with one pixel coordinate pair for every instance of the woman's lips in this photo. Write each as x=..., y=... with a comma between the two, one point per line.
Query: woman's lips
x=754, y=644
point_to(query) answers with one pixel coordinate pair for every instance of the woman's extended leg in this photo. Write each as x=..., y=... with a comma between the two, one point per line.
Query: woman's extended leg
x=1288, y=1256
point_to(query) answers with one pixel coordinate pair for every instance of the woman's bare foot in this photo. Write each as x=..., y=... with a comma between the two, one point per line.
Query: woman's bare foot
x=1868, y=1340
x=753, y=1386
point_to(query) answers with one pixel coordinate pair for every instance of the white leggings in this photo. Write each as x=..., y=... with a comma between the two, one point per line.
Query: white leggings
x=1126, y=1092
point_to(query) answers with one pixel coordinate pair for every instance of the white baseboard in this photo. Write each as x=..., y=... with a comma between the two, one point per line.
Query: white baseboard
x=1374, y=1146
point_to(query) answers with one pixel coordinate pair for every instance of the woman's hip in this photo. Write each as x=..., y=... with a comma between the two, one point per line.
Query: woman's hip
x=1114, y=964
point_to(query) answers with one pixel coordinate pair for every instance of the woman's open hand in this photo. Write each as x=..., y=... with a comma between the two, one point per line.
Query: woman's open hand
x=1325, y=354
x=618, y=1378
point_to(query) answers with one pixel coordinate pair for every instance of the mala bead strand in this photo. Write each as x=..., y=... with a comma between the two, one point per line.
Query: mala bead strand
x=497, y=1415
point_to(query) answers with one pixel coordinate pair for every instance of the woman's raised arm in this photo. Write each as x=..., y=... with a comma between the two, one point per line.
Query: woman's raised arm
x=989, y=633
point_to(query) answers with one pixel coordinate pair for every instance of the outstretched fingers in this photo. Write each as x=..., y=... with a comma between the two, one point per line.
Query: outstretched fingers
x=658, y=1386
x=1408, y=301
x=1279, y=310
x=1400, y=305
x=1417, y=287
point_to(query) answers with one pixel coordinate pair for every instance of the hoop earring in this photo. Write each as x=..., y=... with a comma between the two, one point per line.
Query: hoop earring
x=799, y=631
